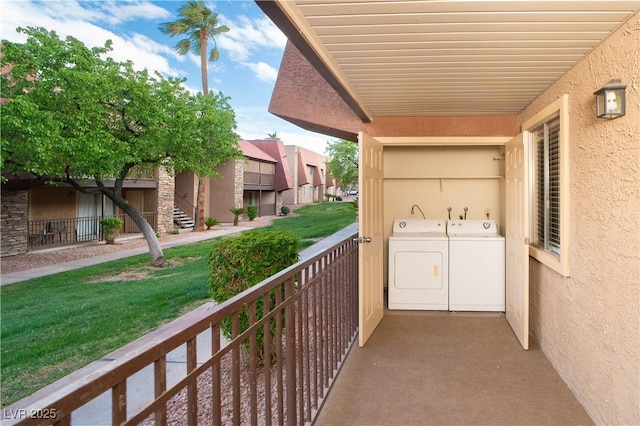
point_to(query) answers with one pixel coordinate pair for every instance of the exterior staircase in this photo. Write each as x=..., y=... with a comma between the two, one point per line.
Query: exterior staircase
x=181, y=219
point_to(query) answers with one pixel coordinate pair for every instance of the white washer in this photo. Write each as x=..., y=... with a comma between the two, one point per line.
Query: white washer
x=418, y=265
x=476, y=266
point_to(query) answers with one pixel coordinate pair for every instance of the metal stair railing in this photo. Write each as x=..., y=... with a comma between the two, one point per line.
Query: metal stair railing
x=185, y=207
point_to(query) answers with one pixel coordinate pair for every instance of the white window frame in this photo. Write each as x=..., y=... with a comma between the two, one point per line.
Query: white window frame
x=559, y=262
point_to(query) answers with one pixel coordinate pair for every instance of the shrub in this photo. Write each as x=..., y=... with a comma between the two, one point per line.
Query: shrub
x=240, y=262
x=284, y=210
x=237, y=212
x=111, y=227
x=209, y=221
x=338, y=198
x=252, y=212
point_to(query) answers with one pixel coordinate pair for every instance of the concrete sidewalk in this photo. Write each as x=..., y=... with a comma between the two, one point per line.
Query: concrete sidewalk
x=6, y=279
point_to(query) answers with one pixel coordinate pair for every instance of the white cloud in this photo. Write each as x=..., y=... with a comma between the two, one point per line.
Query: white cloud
x=116, y=12
x=263, y=71
x=235, y=49
x=257, y=123
x=247, y=36
x=52, y=14
x=74, y=18
x=193, y=90
x=314, y=142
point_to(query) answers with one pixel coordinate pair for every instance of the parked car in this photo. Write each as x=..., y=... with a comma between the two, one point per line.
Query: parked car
x=353, y=191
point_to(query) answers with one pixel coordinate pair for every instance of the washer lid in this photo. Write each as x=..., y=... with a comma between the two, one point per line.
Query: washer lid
x=418, y=226
x=472, y=228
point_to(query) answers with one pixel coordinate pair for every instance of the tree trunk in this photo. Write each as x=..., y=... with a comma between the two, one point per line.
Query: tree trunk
x=200, y=206
x=204, y=36
x=199, y=219
x=157, y=256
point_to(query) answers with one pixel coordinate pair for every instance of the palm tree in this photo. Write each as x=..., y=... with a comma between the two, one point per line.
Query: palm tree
x=198, y=24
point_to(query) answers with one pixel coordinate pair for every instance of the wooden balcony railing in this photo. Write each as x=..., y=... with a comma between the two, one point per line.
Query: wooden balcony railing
x=310, y=321
x=49, y=233
x=259, y=179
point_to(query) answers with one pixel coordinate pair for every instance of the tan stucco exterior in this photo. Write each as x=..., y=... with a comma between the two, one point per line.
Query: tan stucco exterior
x=588, y=325
x=224, y=190
x=308, y=172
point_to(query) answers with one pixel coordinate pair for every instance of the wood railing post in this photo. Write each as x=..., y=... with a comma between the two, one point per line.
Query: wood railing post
x=119, y=403
x=160, y=385
x=290, y=338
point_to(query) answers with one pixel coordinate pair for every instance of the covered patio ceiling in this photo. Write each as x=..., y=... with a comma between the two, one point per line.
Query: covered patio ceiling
x=445, y=57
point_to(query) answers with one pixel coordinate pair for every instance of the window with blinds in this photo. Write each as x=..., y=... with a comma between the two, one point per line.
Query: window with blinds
x=545, y=213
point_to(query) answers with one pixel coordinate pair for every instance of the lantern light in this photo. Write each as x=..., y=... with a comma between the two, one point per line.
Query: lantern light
x=610, y=102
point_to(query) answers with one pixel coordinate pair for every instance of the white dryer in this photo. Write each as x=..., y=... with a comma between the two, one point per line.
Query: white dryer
x=418, y=265
x=476, y=266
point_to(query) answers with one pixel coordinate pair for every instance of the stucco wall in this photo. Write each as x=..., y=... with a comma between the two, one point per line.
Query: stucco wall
x=186, y=185
x=588, y=324
x=502, y=125
x=52, y=202
x=297, y=82
x=224, y=190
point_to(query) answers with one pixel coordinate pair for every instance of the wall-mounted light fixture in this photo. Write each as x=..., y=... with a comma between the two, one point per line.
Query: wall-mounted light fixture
x=610, y=102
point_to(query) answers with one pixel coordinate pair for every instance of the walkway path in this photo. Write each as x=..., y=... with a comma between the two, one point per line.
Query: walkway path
x=85, y=255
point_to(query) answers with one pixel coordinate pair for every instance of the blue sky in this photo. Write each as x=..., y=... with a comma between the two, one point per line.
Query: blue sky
x=250, y=53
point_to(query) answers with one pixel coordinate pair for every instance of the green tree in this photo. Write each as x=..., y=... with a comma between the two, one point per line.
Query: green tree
x=198, y=24
x=343, y=165
x=72, y=117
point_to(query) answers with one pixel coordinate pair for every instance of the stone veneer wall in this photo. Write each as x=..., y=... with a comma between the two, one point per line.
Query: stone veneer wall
x=588, y=324
x=166, y=190
x=13, y=222
x=239, y=185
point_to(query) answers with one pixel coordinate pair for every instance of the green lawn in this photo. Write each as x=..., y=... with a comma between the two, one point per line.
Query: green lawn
x=54, y=325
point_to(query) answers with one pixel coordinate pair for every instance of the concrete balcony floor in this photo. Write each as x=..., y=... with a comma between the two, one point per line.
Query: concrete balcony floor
x=433, y=368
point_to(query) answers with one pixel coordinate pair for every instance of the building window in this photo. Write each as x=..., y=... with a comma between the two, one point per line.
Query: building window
x=545, y=186
x=548, y=183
